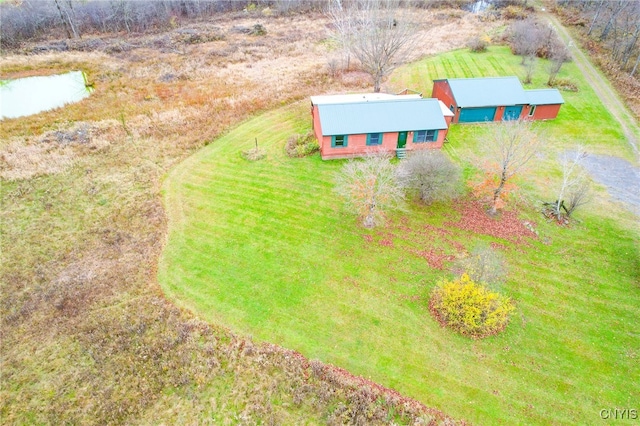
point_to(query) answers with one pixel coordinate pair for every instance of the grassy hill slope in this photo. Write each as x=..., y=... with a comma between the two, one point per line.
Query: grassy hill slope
x=267, y=249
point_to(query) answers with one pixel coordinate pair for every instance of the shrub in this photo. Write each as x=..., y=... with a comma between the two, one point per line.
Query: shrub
x=301, y=145
x=431, y=175
x=469, y=308
x=515, y=12
x=254, y=154
x=483, y=265
x=477, y=44
x=564, y=84
x=258, y=30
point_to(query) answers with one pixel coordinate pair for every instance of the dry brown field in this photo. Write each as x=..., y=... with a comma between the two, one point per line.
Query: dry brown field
x=87, y=335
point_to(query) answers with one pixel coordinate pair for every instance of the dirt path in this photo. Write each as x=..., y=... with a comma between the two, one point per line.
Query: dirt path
x=603, y=89
x=621, y=178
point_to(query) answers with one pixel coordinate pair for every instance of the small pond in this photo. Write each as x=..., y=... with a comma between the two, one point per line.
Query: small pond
x=31, y=95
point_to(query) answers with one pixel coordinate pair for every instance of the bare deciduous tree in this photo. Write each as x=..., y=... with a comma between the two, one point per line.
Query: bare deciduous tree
x=526, y=38
x=595, y=17
x=615, y=8
x=615, y=24
x=377, y=32
x=577, y=196
x=530, y=68
x=343, y=21
x=431, y=175
x=509, y=147
x=574, y=187
x=635, y=66
x=529, y=39
x=370, y=187
x=28, y=19
x=559, y=55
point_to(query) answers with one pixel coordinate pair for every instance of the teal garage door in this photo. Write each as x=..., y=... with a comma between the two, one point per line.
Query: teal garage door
x=512, y=112
x=473, y=115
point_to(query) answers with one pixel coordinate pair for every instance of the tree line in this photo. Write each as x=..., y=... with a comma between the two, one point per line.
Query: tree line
x=30, y=20
x=616, y=24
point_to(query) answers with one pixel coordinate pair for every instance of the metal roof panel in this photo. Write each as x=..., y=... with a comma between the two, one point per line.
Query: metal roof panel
x=359, y=97
x=544, y=97
x=392, y=115
x=488, y=91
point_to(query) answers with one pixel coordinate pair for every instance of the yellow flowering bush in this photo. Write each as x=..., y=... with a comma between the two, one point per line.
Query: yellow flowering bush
x=470, y=308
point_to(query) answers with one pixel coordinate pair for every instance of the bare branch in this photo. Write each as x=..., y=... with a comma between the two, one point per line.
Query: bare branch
x=431, y=175
x=558, y=55
x=377, y=32
x=511, y=145
x=370, y=187
x=574, y=188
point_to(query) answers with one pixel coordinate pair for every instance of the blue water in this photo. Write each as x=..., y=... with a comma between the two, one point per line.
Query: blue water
x=31, y=95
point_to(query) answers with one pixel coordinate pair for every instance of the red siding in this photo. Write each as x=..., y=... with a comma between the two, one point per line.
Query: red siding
x=357, y=145
x=544, y=112
x=448, y=119
x=317, y=128
x=442, y=91
x=411, y=146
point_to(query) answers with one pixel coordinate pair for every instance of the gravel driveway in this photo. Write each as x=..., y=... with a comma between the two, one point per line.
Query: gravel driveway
x=621, y=178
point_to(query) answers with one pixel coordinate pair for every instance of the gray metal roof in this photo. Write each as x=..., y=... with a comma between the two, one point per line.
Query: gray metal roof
x=359, y=97
x=488, y=91
x=379, y=116
x=544, y=97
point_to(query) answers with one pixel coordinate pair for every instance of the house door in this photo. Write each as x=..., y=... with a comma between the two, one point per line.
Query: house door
x=402, y=139
x=512, y=113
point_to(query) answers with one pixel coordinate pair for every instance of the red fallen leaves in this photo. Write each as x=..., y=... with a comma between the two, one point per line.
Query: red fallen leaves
x=386, y=243
x=433, y=242
x=497, y=246
x=434, y=257
x=507, y=226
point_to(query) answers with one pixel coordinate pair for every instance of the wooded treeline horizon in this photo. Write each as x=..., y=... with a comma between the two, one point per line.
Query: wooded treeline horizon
x=614, y=24
x=30, y=20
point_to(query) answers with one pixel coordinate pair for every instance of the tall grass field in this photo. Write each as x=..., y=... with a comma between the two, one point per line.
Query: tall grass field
x=268, y=249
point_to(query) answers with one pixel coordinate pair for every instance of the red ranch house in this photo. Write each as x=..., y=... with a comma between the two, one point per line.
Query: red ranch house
x=353, y=125
x=475, y=100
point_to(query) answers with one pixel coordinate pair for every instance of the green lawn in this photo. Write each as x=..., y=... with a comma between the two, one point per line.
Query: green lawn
x=267, y=249
x=582, y=119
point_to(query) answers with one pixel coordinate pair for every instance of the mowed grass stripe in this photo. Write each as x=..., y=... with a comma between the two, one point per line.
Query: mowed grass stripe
x=498, y=70
x=267, y=249
x=287, y=206
x=448, y=68
x=465, y=67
